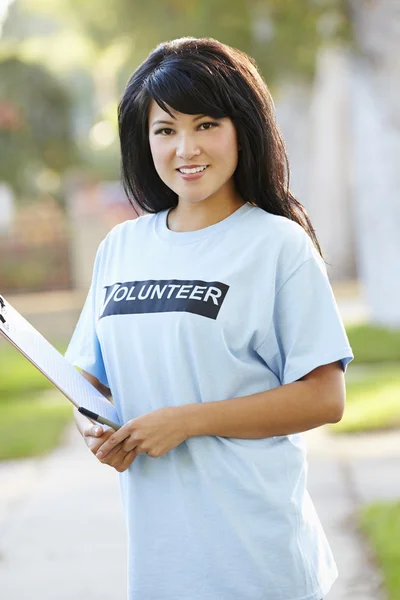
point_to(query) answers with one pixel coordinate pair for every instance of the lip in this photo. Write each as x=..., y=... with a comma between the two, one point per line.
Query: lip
x=190, y=167
x=191, y=176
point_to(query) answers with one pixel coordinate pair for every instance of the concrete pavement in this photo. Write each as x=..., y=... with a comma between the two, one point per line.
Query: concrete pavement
x=62, y=534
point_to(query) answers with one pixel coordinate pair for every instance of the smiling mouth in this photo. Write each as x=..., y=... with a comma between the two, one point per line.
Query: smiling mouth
x=186, y=171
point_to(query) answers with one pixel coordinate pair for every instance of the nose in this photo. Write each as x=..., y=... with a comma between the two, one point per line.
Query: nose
x=187, y=147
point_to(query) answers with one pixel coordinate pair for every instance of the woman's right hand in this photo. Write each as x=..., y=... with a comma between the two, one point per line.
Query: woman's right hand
x=95, y=436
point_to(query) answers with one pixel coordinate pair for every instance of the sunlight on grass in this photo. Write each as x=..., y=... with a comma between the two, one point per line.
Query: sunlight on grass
x=373, y=344
x=33, y=414
x=373, y=400
x=381, y=524
x=19, y=376
x=32, y=426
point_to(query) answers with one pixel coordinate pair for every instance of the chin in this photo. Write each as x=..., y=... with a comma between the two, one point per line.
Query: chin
x=192, y=198
x=197, y=195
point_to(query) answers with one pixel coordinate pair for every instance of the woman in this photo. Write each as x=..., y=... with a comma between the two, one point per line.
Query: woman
x=212, y=322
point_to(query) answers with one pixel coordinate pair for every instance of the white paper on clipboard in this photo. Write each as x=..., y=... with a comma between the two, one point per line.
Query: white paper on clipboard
x=21, y=334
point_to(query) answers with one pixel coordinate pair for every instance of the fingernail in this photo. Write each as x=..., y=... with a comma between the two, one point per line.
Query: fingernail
x=99, y=455
x=96, y=430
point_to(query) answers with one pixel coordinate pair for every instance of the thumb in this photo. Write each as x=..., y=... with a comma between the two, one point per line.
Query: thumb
x=96, y=431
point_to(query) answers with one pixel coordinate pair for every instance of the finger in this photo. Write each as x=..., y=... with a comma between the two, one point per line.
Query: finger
x=116, y=438
x=129, y=444
x=110, y=458
x=94, y=443
x=114, y=458
x=140, y=450
x=95, y=431
x=127, y=461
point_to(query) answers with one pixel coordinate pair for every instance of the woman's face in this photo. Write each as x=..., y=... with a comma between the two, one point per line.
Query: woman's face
x=194, y=155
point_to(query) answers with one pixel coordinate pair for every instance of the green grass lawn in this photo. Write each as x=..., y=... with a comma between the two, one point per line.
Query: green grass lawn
x=372, y=381
x=373, y=399
x=18, y=375
x=33, y=414
x=381, y=525
x=373, y=344
x=32, y=425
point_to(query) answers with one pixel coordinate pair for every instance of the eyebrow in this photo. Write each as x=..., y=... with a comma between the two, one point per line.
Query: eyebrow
x=159, y=121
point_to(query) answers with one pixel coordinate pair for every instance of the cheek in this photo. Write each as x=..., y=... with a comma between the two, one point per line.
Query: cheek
x=159, y=154
x=226, y=148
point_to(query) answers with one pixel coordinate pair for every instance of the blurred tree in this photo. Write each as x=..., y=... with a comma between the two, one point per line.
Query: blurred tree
x=35, y=130
x=92, y=48
x=283, y=35
x=286, y=34
x=375, y=136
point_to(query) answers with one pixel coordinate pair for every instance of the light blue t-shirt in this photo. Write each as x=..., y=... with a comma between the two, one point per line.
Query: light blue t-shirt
x=171, y=318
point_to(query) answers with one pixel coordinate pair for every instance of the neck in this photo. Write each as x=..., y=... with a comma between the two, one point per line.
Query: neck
x=189, y=216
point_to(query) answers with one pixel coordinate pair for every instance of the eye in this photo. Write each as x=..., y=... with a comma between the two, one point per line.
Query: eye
x=208, y=125
x=164, y=131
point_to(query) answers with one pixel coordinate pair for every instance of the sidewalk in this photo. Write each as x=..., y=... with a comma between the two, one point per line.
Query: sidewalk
x=62, y=535
x=345, y=473
x=46, y=504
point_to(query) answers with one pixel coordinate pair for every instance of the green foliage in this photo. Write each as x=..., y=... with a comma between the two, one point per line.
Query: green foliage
x=381, y=524
x=282, y=35
x=35, y=124
x=154, y=21
x=293, y=30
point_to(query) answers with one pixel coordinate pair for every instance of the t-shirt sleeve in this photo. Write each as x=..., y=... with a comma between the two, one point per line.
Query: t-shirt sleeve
x=84, y=349
x=306, y=330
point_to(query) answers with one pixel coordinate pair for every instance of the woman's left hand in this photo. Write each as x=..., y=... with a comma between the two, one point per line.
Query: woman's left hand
x=154, y=433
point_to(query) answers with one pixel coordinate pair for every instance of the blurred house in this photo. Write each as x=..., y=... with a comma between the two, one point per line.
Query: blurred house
x=93, y=208
x=34, y=249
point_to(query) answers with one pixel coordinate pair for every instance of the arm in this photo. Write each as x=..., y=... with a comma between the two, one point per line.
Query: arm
x=317, y=398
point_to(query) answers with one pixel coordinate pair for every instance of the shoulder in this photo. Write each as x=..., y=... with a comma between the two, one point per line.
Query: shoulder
x=287, y=243
x=125, y=230
x=130, y=226
x=125, y=233
x=285, y=236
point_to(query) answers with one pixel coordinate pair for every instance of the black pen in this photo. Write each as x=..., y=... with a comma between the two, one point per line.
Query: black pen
x=98, y=418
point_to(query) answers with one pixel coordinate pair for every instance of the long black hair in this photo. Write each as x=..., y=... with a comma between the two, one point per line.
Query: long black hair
x=204, y=76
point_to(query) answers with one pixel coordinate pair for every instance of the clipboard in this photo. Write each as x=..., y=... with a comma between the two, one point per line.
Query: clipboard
x=52, y=364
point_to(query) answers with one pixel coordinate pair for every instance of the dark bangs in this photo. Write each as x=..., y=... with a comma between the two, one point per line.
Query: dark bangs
x=187, y=87
x=191, y=85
